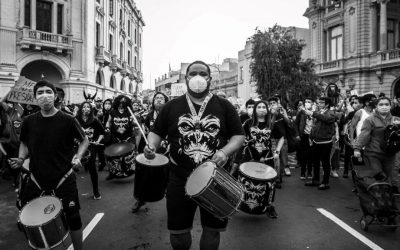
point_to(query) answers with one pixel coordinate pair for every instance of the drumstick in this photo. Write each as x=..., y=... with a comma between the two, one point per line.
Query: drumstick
x=140, y=127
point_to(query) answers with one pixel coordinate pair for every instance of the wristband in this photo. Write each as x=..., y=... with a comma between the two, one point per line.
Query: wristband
x=223, y=151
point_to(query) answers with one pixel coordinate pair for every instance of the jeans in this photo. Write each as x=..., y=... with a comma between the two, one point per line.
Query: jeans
x=321, y=153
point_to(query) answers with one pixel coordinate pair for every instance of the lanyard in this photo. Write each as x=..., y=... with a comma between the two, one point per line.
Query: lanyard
x=198, y=116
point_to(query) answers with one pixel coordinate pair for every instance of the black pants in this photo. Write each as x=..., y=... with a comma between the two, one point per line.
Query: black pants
x=100, y=153
x=91, y=167
x=348, y=153
x=321, y=153
x=305, y=155
x=12, y=152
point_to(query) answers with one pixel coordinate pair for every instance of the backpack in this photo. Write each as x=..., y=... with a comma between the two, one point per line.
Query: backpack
x=392, y=139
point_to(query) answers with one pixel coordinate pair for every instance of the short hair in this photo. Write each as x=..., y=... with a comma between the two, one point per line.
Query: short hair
x=368, y=98
x=199, y=62
x=383, y=98
x=355, y=97
x=43, y=83
x=273, y=99
x=327, y=100
x=250, y=102
x=309, y=98
x=296, y=103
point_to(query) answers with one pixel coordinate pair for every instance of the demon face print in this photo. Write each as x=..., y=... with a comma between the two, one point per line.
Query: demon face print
x=89, y=132
x=260, y=139
x=121, y=123
x=199, y=136
x=257, y=195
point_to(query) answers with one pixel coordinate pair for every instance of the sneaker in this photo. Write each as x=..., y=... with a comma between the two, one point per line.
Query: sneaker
x=97, y=197
x=287, y=172
x=137, y=206
x=323, y=186
x=271, y=212
x=302, y=177
x=334, y=174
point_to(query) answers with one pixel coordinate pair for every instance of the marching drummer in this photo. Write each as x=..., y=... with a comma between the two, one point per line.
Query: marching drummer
x=259, y=130
x=200, y=126
x=122, y=125
x=47, y=137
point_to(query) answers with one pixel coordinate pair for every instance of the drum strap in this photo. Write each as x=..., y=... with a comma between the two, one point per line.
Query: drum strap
x=59, y=183
x=198, y=116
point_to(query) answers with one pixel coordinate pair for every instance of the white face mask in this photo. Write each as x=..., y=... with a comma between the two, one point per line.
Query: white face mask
x=250, y=111
x=45, y=101
x=307, y=105
x=198, y=84
x=383, y=109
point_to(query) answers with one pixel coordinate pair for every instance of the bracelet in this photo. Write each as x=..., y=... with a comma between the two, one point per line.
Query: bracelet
x=223, y=151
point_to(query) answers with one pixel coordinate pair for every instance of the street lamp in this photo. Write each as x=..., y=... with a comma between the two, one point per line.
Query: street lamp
x=219, y=72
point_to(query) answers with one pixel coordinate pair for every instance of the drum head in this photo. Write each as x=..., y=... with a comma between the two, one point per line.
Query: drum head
x=257, y=171
x=40, y=210
x=159, y=160
x=200, y=178
x=119, y=149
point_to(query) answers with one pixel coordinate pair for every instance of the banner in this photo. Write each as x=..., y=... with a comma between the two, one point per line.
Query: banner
x=178, y=89
x=22, y=92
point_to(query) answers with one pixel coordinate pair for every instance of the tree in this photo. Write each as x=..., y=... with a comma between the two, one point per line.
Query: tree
x=277, y=66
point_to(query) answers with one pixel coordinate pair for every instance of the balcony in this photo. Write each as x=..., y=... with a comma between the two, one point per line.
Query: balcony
x=102, y=56
x=388, y=58
x=38, y=39
x=330, y=67
x=333, y=7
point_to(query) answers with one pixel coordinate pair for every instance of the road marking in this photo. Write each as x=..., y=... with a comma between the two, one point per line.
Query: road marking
x=88, y=229
x=350, y=230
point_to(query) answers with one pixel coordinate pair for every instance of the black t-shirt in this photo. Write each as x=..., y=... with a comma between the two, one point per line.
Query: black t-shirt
x=122, y=125
x=244, y=117
x=190, y=146
x=92, y=129
x=50, y=141
x=259, y=138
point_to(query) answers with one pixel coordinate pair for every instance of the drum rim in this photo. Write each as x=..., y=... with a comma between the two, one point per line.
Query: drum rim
x=255, y=178
x=45, y=223
x=208, y=183
x=56, y=244
x=118, y=155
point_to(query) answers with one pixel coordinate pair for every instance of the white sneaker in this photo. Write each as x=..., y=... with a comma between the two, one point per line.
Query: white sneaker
x=287, y=172
x=334, y=174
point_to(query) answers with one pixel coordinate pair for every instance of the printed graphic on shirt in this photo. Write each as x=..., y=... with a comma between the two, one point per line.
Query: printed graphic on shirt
x=121, y=123
x=260, y=139
x=199, y=137
x=89, y=132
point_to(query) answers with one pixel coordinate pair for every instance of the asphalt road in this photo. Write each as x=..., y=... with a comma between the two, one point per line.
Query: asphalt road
x=300, y=224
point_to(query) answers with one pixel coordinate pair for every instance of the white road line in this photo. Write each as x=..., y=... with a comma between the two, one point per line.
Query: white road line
x=350, y=230
x=88, y=229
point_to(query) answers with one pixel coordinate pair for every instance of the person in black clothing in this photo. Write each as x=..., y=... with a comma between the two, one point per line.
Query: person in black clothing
x=47, y=137
x=200, y=127
x=103, y=118
x=249, y=109
x=94, y=130
x=259, y=131
x=159, y=101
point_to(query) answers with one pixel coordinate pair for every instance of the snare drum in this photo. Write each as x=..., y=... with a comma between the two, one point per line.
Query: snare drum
x=151, y=178
x=121, y=159
x=214, y=190
x=259, y=183
x=44, y=224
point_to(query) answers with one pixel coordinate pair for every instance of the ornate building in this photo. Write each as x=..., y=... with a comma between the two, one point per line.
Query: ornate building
x=93, y=45
x=356, y=44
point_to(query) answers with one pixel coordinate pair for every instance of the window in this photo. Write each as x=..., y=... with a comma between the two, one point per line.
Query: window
x=98, y=77
x=27, y=17
x=120, y=17
x=121, y=51
x=60, y=18
x=140, y=40
x=135, y=62
x=111, y=6
x=122, y=88
x=112, y=82
x=135, y=37
x=129, y=28
x=336, y=43
x=110, y=44
x=130, y=88
x=43, y=15
x=391, y=39
x=241, y=74
x=140, y=65
x=129, y=57
x=97, y=34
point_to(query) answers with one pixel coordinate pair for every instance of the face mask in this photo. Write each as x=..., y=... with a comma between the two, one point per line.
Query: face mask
x=261, y=113
x=383, y=109
x=198, y=87
x=250, y=111
x=86, y=111
x=107, y=106
x=46, y=101
x=121, y=110
x=308, y=105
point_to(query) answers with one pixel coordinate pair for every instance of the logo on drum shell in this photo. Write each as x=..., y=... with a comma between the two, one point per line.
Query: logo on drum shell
x=49, y=209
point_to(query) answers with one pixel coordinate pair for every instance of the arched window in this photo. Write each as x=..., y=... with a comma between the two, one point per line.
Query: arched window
x=99, y=78
x=112, y=82
x=130, y=88
x=122, y=85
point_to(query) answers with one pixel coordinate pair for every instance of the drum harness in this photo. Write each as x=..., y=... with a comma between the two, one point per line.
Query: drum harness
x=51, y=191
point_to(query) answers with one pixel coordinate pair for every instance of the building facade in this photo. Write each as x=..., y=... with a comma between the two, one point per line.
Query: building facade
x=247, y=86
x=92, y=46
x=356, y=44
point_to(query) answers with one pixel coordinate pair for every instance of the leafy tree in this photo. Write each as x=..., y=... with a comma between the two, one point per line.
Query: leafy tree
x=277, y=66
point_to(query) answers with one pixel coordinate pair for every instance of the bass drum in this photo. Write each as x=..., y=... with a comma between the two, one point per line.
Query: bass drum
x=151, y=178
x=44, y=224
x=120, y=158
x=259, y=183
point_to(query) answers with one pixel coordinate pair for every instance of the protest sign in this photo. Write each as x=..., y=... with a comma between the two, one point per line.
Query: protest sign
x=22, y=92
x=178, y=89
